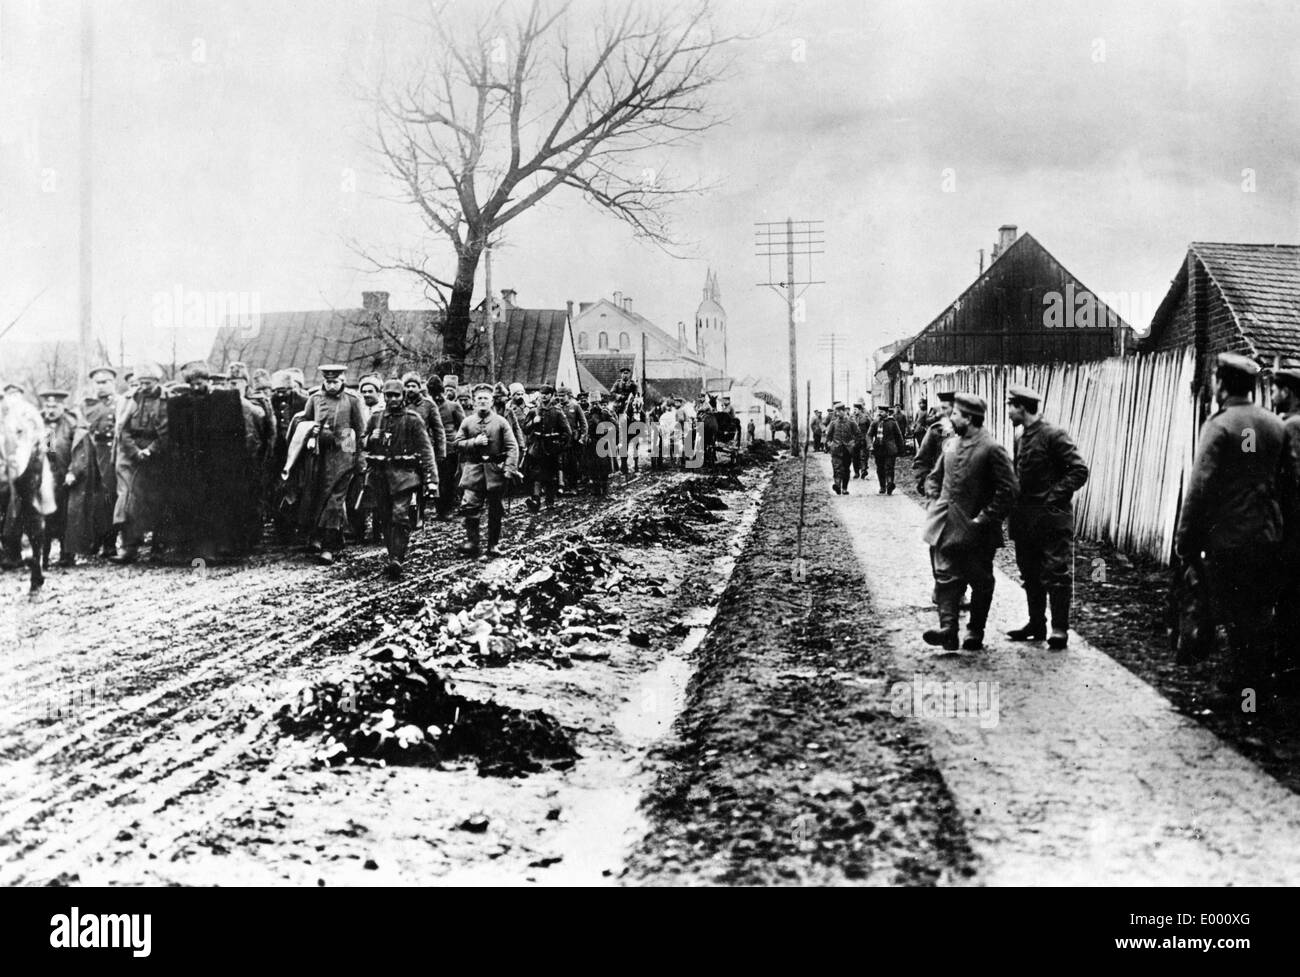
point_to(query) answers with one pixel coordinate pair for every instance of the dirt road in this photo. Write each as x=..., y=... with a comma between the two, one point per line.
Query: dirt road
x=137, y=744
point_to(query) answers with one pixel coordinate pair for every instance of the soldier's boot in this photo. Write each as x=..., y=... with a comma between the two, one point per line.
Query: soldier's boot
x=1060, y=601
x=399, y=539
x=494, y=533
x=470, y=546
x=980, y=602
x=945, y=635
x=126, y=553
x=1036, y=629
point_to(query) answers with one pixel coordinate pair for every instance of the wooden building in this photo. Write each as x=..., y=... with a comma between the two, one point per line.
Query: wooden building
x=1025, y=308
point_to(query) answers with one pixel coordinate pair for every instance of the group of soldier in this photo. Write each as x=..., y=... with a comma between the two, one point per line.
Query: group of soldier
x=851, y=437
x=198, y=467
x=1239, y=524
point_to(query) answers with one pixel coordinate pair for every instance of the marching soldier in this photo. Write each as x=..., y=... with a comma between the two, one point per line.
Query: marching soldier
x=60, y=430
x=489, y=459
x=841, y=436
x=401, y=461
x=816, y=427
x=91, y=478
x=887, y=447
x=1286, y=401
x=548, y=435
x=141, y=452
x=862, y=421
x=336, y=416
x=1232, y=517
x=973, y=486
x=570, y=465
x=453, y=415
x=936, y=438
x=518, y=410
x=1049, y=470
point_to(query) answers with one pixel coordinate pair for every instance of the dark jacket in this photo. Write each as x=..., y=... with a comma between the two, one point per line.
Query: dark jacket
x=398, y=444
x=889, y=439
x=1234, y=498
x=1050, y=470
x=484, y=468
x=841, y=432
x=577, y=420
x=974, y=485
x=547, y=431
x=452, y=415
x=927, y=455
x=431, y=414
x=143, y=426
x=1291, y=503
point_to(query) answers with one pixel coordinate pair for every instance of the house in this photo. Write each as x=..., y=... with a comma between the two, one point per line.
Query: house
x=1232, y=298
x=612, y=329
x=1025, y=308
x=533, y=346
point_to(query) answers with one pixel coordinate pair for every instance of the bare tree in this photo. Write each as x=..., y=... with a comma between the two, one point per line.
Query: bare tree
x=499, y=113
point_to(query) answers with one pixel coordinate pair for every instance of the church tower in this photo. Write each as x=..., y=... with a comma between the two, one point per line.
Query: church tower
x=711, y=323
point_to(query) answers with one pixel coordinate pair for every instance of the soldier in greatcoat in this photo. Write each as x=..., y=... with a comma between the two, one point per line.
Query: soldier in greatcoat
x=936, y=437
x=842, y=436
x=1049, y=470
x=60, y=431
x=141, y=461
x=548, y=435
x=1232, y=519
x=91, y=478
x=973, y=486
x=333, y=450
x=402, y=471
x=489, y=458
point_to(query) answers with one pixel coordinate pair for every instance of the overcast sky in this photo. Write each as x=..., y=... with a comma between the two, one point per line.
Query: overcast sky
x=1115, y=132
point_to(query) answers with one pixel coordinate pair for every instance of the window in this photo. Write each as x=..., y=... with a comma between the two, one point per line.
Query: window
x=582, y=340
x=624, y=341
x=602, y=341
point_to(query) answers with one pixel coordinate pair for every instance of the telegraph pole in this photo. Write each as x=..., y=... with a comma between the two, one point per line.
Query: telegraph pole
x=832, y=342
x=86, y=330
x=788, y=239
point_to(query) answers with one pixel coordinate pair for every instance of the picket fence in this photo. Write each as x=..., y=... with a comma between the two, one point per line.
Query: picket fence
x=1135, y=420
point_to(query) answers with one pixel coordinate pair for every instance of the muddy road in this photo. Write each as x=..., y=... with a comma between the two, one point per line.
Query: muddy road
x=139, y=743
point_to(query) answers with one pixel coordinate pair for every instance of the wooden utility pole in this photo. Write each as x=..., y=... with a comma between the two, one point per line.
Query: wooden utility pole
x=785, y=239
x=85, y=333
x=491, y=318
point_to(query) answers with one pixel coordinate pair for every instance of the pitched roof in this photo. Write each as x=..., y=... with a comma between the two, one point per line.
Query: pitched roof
x=528, y=346
x=589, y=383
x=605, y=367
x=1260, y=284
x=936, y=324
x=528, y=342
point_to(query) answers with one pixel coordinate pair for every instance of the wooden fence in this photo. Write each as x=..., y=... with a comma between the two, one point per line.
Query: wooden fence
x=1134, y=419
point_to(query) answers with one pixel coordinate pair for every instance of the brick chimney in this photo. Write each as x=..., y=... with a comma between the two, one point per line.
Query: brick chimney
x=681, y=335
x=1006, y=238
x=508, y=298
x=627, y=303
x=618, y=300
x=374, y=301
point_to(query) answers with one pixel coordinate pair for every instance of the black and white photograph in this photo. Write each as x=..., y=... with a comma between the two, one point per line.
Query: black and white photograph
x=651, y=443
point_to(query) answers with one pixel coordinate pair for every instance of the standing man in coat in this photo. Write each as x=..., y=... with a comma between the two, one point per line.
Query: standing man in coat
x=888, y=446
x=489, y=458
x=932, y=444
x=337, y=418
x=842, y=435
x=1233, y=519
x=1049, y=470
x=974, y=486
x=1286, y=401
x=141, y=456
x=861, y=445
x=60, y=432
x=91, y=478
x=402, y=471
x=570, y=464
x=817, y=426
x=453, y=415
x=548, y=435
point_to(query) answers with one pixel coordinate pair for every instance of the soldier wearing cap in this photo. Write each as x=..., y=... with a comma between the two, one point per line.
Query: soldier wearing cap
x=1049, y=470
x=973, y=486
x=452, y=416
x=60, y=431
x=548, y=434
x=402, y=471
x=937, y=436
x=1286, y=401
x=570, y=459
x=1233, y=519
x=816, y=425
x=334, y=456
x=489, y=459
x=91, y=476
x=842, y=435
x=862, y=444
x=370, y=387
x=887, y=445
x=141, y=460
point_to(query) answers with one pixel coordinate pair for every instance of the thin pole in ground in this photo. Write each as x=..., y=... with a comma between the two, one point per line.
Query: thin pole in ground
x=803, y=492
